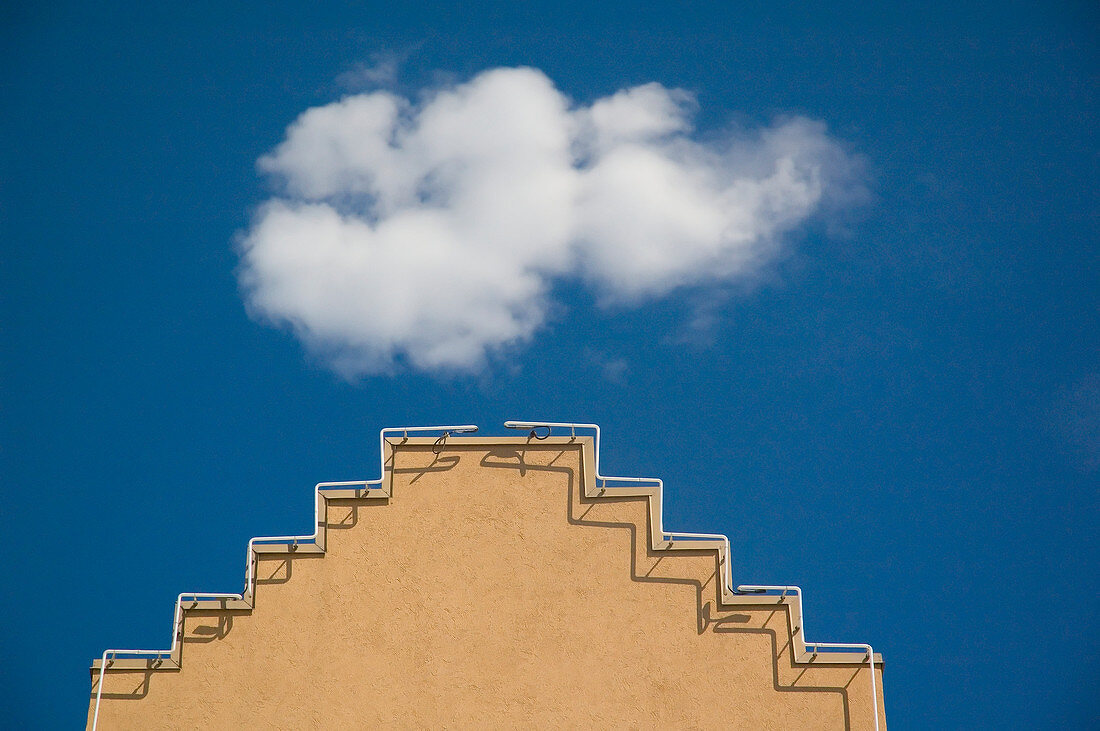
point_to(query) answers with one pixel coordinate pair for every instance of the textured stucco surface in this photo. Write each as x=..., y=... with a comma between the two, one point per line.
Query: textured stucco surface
x=487, y=592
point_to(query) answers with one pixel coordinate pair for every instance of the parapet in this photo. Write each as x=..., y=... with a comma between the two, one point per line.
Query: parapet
x=489, y=582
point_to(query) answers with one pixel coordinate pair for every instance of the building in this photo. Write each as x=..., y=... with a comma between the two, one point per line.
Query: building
x=490, y=582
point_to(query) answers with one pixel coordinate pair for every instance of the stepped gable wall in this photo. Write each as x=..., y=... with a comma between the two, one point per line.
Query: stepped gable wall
x=488, y=590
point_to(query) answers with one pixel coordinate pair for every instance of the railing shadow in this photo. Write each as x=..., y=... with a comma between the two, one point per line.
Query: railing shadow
x=439, y=463
x=279, y=569
x=204, y=633
x=515, y=459
x=140, y=690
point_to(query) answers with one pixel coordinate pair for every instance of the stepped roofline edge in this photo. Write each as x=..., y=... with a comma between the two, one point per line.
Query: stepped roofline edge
x=781, y=604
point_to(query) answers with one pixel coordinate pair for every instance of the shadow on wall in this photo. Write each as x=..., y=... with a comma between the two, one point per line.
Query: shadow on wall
x=438, y=464
x=140, y=690
x=714, y=620
x=709, y=615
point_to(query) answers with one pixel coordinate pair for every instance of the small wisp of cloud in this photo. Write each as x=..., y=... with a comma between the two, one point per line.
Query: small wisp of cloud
x=612, y=369
x=380, y=72
x=429, y=233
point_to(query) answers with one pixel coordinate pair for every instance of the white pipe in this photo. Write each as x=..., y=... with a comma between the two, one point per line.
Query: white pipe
x=573, y=431
x=870, y=664
x=177, y=635
x=797, y=591
x=726, y=544
x=250, y=578
x=659, y=484
x=102, y=670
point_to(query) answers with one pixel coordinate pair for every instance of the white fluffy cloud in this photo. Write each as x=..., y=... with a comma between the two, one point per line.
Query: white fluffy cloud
x=431, y=232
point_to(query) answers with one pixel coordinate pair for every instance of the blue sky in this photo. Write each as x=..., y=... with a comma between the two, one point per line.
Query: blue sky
x=896, y=406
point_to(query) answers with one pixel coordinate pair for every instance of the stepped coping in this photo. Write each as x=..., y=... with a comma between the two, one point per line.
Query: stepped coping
x=596, y=486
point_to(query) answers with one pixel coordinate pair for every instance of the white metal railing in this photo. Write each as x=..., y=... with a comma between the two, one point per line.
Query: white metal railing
x=294, y=540
x=250, y=561
x=797, y=592
x=670, y=537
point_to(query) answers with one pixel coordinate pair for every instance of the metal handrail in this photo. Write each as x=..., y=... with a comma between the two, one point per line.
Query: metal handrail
x=668, y=536
x=796, y=591
x=294, y=540
x=726, y=559
x=250, y=559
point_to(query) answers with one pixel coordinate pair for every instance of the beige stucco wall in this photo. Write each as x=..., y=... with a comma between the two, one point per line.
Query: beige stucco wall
x=488, y=592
